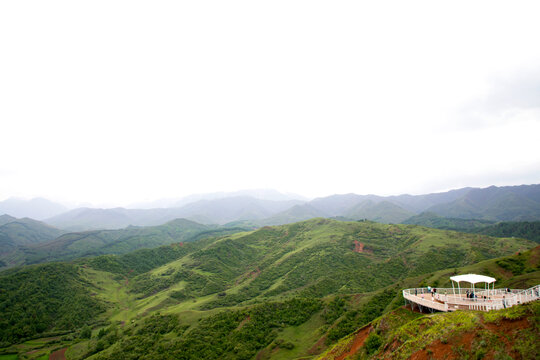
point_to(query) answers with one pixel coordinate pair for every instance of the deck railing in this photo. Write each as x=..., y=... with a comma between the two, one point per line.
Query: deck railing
x=447, y=299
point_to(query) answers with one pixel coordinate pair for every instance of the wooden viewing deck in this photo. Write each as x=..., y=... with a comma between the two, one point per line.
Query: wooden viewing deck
x=444, y=299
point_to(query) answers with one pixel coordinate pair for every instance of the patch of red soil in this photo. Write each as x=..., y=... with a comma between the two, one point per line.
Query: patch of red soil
x=437, y=350
x=358, y=341
x=508, y=326
x=505, y=330
x=58, y=355
x=358, y=247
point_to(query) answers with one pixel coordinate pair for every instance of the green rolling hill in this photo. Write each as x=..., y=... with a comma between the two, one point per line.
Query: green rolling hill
x=523, y=229
x=279, y=292
x=433, y=220
x=15, y=233
x=91, y=243
x=384, y=212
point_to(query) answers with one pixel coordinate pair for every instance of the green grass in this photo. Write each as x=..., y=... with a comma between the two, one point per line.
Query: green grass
x=303, y=337
x=9, y=357
x=312, y=259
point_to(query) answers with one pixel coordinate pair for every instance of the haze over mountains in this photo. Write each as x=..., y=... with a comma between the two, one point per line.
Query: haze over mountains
x=37, y=208
x=220, y=273
x=268, y=207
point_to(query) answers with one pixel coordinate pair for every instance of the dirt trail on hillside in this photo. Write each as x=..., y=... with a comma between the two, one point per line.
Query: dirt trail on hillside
x=58, y=355
x=357, y=343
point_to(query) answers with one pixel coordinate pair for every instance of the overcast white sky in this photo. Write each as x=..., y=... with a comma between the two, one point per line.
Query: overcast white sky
x=113, y=102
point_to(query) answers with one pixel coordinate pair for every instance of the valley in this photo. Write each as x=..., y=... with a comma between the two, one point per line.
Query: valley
x=277, y=292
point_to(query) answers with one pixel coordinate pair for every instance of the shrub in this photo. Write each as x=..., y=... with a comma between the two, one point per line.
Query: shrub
x=373, y=342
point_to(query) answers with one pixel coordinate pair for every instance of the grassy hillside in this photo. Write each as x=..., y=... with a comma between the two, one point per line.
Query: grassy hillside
x=523, y=229
x=402, y=334
x=316, y=258
x=279, y=292
x=92, y=243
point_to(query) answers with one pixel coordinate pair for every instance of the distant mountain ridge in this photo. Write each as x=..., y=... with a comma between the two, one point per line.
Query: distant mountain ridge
x=261, y=194
x=383, y=212
x=507, y=203
x=219, y=211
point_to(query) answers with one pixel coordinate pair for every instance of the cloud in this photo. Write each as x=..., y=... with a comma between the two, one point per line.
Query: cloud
x=520, y=92
x=512, y=98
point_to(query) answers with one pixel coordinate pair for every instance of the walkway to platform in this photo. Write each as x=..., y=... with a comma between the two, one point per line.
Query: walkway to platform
x=444, y=299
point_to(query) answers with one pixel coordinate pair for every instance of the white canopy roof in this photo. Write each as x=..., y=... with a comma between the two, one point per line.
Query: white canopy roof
x=473, y=278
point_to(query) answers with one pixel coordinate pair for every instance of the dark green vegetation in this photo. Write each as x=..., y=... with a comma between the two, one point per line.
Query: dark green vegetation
x=91, y=243
x=352, y=320
x=523, y=229
x=48, y=298
x=278, y=292
x=227, y=335
x=435, y=221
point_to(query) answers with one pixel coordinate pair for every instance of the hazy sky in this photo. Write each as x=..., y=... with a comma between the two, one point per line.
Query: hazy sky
x=121, y=101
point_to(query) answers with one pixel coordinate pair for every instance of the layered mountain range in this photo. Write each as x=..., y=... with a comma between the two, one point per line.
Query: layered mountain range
x=508, y=203
x=235, y=286
x=90, y=232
